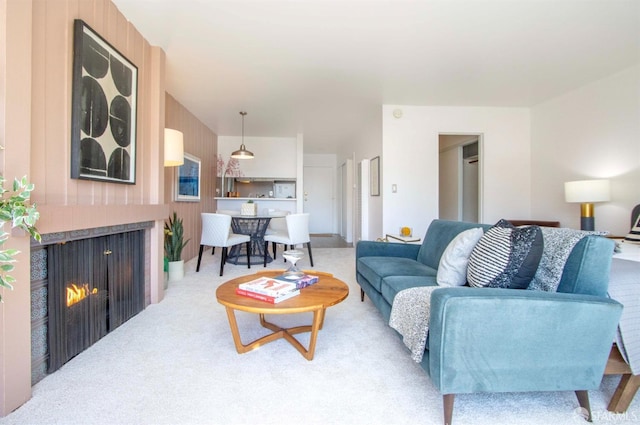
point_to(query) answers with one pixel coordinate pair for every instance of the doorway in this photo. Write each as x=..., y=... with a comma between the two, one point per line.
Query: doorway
x=319, y=198
x=460, y=174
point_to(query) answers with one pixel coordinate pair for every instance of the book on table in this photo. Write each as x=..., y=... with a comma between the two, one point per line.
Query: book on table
x=268, y=289
x=267, y=298
x=301, y=282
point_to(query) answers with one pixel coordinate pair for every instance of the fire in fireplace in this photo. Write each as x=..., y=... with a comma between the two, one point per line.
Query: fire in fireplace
x=76, y=293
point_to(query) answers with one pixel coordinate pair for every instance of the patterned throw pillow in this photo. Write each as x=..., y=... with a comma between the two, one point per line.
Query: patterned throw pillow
x=505, y=257
x=634, y=233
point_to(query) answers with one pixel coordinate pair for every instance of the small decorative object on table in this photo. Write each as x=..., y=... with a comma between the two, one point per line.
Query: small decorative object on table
x=249, y=208
x=293, y=272
x=301, y=282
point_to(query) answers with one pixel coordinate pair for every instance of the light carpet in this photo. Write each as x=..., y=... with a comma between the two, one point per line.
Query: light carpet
x=175, y=363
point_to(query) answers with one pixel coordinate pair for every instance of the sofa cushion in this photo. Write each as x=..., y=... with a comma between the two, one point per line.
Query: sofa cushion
x=506, y=257
x=374, y=269
x=391, y=285
x=452, y=270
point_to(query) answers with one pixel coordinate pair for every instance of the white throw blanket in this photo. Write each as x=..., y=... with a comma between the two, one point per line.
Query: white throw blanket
x=410, y=317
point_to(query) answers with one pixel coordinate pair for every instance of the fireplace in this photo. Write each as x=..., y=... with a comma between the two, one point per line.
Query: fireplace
x=83, y=288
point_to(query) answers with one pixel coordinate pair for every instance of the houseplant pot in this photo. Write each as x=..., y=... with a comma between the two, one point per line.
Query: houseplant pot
x=176, y=271
x=173, y=244
x=249, y=208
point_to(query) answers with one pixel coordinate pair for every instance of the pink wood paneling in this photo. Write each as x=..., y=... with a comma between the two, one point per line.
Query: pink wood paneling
x=15, y=133
x=201, y=142
x=53, y=65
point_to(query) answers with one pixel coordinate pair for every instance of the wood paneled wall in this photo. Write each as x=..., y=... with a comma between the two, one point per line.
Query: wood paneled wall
x=67, y=203
x=201, y=142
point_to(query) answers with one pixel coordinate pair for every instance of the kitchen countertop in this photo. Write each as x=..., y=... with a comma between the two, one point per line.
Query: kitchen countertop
x=254, y=199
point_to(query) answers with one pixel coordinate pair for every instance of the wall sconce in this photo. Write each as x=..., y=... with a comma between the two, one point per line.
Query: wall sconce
x=587, y=192
x=173, y=147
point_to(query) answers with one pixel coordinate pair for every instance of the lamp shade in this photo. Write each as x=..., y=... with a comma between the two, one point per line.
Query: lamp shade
x=242, y=153
x=173, y=148
x=587, y=191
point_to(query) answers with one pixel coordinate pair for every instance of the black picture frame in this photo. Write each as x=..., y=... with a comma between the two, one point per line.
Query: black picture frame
x=103, y=110
x=188, y=179
x=374, y=176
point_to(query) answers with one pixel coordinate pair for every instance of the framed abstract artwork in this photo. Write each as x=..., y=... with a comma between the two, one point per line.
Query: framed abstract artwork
x=103, y=114
x=374, y=176
x=188, y=179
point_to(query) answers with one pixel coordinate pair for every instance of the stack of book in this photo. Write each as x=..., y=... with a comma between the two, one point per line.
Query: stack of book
x=275, y=289
x=268, y=289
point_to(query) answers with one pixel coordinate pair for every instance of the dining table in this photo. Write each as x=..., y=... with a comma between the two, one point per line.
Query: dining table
x=255, y=226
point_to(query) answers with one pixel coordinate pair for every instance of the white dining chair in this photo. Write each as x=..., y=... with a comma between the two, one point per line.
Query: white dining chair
x=278, y=222
x=216, y=231
x=297, y=233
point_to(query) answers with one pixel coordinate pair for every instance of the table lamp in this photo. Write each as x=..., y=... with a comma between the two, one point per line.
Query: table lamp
x=587, y=192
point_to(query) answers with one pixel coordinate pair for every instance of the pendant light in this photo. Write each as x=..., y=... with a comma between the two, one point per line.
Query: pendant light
x=242, y=153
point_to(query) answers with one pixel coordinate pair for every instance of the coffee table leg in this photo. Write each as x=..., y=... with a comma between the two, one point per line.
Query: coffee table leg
x=233, y=324
x=244, y=348
x=318, y=320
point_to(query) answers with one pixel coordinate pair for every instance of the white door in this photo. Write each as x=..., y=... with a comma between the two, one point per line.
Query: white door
x=318, y=198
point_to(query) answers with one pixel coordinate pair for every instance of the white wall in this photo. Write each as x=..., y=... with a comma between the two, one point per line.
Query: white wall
x=273, y=156
x=367, y=145
x=410, y=160
x=592, y=132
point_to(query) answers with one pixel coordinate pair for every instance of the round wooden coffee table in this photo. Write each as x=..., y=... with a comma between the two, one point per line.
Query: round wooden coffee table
x=328, y=291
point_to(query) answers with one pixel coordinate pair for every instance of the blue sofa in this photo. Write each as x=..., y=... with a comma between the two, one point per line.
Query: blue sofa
x=501, y=340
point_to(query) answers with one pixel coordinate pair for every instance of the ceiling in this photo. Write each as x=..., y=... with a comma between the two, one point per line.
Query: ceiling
x=324, y=67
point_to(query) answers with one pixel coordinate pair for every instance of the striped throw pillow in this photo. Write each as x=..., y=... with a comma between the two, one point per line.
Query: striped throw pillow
x=505, y=257
x=634, y=233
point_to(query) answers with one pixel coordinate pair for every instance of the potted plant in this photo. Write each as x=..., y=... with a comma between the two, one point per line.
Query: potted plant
x=15, y=207
x=249, y=208
x=173, y=244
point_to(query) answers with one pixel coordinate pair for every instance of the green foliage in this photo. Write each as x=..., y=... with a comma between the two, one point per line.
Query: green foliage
x=15, y=207
x=174, y=238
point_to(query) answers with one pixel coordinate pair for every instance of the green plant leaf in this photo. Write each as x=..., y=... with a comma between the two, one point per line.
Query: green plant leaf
x=15, y=208
x=174, y=238
x=7, y=267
